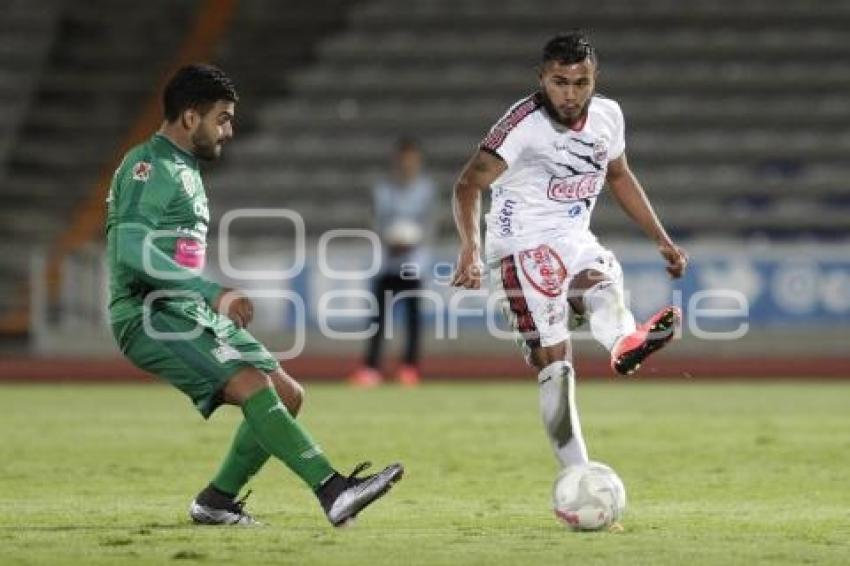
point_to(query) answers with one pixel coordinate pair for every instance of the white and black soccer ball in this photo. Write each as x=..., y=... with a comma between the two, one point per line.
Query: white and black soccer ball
x=589, y=497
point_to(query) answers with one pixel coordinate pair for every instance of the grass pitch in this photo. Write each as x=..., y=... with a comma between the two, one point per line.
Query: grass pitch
x=715, y=474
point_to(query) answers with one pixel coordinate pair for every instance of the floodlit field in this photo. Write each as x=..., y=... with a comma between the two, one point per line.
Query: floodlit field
x=716, y=474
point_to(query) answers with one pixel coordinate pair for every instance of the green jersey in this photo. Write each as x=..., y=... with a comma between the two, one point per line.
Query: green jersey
x=156, y=229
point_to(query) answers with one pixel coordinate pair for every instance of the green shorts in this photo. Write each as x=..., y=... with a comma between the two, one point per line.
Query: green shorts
x=193, y=348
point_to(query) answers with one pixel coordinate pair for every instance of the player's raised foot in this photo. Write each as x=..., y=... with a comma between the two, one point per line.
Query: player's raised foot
x=630, y=351
x=365, y=377
x=408, y=376
x=343, y=498
x=212, y=507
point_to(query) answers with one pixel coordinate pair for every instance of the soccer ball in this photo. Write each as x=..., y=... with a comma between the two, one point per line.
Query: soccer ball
x=588, y=497
x=403, y=233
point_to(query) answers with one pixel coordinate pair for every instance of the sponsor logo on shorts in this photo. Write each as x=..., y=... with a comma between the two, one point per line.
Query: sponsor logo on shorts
x=555, y=312
x=544, y=269
x=225, y=353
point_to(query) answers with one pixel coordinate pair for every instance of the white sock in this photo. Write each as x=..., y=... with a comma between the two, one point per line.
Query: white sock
x=607, y=313
x=560, y=417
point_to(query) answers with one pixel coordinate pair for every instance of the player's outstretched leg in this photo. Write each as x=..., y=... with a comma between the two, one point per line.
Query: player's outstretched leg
x=279, y=433
x=631, y=350
x=613, y=325
x=218, y=503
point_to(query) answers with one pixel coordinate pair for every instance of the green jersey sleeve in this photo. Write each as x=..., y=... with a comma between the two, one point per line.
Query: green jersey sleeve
x=144, y=193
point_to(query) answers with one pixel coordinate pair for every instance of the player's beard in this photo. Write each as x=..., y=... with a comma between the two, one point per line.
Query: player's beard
x=553, y=111
x=205, y=147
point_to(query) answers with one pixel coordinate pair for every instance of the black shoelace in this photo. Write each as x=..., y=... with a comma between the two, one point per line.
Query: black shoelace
x=353, y=478
x=240, y=503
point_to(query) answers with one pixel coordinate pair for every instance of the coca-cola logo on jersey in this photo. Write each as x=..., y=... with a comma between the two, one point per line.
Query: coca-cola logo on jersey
x=575, y=187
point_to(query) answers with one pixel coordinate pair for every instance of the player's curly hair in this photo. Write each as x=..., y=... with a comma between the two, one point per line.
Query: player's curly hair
x=568, y=48
x=196, y=86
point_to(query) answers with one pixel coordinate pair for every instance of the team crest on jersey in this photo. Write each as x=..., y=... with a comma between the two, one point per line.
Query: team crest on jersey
x=600, y=150
x=188, y=182
x=142, y=171
x=544, y=269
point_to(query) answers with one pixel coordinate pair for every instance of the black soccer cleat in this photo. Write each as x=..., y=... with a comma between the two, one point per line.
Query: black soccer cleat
x=650, y=337
x=213, y=507
x=343, y=498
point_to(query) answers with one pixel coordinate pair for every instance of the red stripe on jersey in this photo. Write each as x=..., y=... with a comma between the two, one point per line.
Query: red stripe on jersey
x=518, y=304
x=500, y=131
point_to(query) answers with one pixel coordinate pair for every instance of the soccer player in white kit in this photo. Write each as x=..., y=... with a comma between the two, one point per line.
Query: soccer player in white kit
x=546, y=161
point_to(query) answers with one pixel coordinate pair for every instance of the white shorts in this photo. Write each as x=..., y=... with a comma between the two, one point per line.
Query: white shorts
x=532, y=286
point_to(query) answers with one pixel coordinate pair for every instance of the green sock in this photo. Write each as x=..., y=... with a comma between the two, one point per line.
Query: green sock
x=244, y=459
x=277, y=432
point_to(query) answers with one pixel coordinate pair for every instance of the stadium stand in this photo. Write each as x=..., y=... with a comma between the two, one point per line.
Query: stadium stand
x=93, y=95
x=736, y=123
x=93, y=81
x=27, y=30
x=735, y=110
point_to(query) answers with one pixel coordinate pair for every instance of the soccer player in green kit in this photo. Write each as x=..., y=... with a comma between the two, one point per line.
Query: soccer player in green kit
x=171, y=321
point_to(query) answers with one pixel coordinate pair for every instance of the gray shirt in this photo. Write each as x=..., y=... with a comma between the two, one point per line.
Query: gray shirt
x=405, y=222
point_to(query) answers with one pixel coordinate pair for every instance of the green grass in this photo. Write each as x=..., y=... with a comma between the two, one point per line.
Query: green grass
x=715, y=474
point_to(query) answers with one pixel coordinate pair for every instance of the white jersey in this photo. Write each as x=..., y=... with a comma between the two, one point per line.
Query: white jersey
x=554, y=175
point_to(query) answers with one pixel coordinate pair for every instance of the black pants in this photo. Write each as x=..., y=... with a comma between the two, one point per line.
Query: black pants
x=384, y=287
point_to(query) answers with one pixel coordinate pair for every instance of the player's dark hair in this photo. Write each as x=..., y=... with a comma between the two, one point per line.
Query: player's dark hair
x=197, y=86
x=568, y=48
x=406, y=143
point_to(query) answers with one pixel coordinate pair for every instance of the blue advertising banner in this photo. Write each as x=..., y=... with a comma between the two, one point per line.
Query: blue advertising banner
x=725, y=285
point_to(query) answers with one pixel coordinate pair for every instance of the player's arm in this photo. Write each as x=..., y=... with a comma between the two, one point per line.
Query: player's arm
x=143, y=204
x=479, y=173
x=631, y=197
x=137, y=252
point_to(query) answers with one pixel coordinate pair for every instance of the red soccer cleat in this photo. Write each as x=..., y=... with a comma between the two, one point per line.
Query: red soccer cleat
x=365, y=377
x=631, y=350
